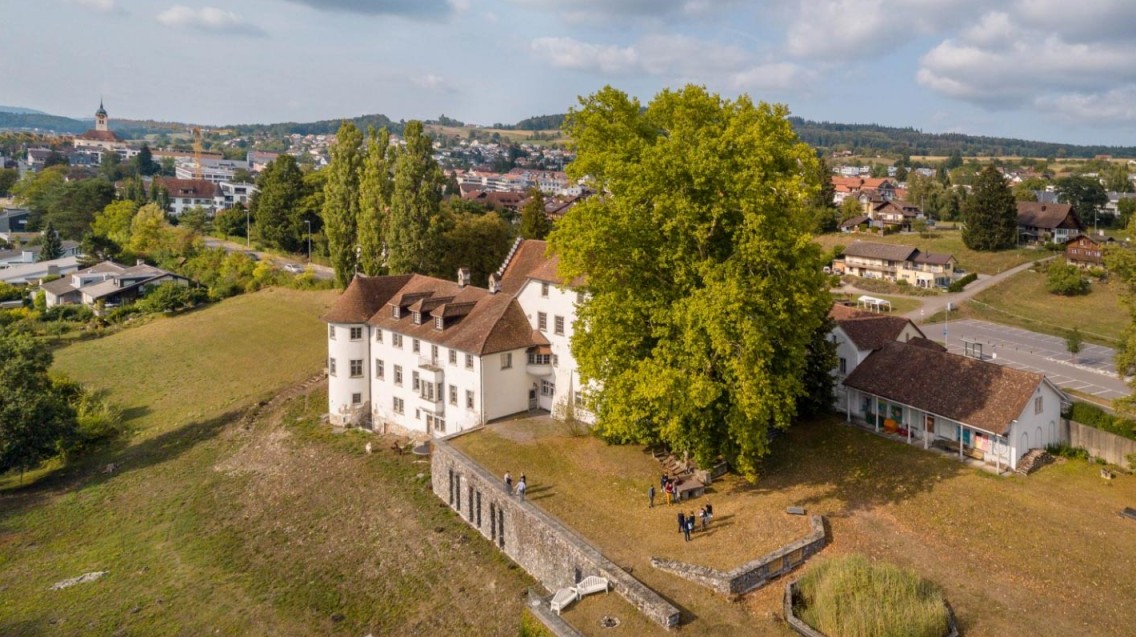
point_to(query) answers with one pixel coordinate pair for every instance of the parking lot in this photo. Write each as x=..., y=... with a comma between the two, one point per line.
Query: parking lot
x=1091, y=373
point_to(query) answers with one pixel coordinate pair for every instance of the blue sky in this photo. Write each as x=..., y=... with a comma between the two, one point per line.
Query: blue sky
x=1037, y=69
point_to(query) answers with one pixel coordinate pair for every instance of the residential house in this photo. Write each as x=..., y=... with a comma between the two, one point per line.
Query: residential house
x=892, y=213
x=971, y=407
x=427, y=357
x=1047, y=222
x=108, y=284
x=897, y=263
x=27, y=273
x=191, y=193
x=13, y=220
x=1085, y=251
x=1114, y=199
x=31, y=254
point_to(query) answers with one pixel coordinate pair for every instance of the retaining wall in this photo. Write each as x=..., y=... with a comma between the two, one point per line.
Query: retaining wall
x=541, y=544
x=755, y=573
x=1099, y=443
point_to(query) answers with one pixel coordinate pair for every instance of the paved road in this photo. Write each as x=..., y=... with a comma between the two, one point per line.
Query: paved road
x=322, y=271
x=1092, y=373
x=934, y=304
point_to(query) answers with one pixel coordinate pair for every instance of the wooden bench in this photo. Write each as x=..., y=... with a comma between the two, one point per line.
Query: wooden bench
x=563, y=599
x=592, y=584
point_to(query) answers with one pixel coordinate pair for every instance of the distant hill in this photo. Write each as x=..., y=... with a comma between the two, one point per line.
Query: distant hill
x=41, y=122
x=542, y=122
x=21, y=110
x=322, y=127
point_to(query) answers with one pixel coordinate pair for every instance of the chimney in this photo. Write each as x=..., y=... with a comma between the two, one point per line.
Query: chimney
x=463, y=277
x=493, y=284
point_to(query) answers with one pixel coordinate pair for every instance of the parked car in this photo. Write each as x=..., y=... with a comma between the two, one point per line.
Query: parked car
x=294, y=268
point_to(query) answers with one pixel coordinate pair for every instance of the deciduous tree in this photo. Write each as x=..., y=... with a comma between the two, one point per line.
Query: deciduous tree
x=375, y=189
x=341, y=201
x=990, y=213
x=415, y=204
x=35, y=418
x=705, y=289
x=281, y=187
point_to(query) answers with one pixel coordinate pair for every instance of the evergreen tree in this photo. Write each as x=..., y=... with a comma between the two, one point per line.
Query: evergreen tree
x=990, y=213
x=160, y=195
x=144, y=162
x=535, y=224
x=52, y=246
x=415, y=205
x=281, y=187
x=341, y=201
x=375, y=188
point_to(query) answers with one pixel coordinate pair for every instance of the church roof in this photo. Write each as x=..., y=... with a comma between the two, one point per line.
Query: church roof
x=100, y=136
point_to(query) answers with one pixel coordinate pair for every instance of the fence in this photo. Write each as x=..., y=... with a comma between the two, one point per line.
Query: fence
x=1099, y=443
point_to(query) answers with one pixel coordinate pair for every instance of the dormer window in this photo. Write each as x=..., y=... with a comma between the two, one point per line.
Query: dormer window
x=396, y=311
x=438, y=323
x=417, y=318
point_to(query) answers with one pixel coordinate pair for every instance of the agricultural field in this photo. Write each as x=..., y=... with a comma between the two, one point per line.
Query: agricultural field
x=220, y=519
x=1046, y=555
x=944, y=241
x=548, y=137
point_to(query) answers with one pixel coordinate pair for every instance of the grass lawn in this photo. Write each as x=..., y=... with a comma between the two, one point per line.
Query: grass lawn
x=1045, y=555
x=948, y=241
x=899, y=304
x=1023, y=301
x=211, y=525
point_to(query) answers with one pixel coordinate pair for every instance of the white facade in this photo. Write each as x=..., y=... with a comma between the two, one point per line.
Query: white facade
x=551, y=309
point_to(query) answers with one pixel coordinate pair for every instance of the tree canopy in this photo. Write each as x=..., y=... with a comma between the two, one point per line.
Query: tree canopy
x=704, y=286
x=414, y=228
x=341, y=201
x=35, y=417
x=535, y=224
x=990, y=213
x=274, y=208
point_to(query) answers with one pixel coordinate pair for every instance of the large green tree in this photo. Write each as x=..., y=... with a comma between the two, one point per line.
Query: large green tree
x=535, y=223
x=990, y=213
x=1086, y=194
x=475, y=241
x=341, y=201
x=52, y=245
x=705, y=290
x=1121, y=264
x=375, y=189
x=416, y=201
x=36, y=420
x=274, y=207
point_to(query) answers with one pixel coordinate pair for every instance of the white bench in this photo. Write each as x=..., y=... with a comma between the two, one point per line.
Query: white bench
x=563, y=598
x=592, y=584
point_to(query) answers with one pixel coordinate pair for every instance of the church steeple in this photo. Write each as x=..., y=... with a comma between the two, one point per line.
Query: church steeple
x=101, y=118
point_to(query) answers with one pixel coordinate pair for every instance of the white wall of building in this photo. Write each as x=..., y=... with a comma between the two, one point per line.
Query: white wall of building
x=348, y=396
x=555, y=301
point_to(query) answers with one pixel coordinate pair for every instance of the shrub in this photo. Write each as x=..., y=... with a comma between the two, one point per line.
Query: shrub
x=1063, y=450
x=9, y=292
x=960, y=284
x=851, y=597
x=169, y=297
x=1093, y=416
x=1066, y=280
x=71, y=312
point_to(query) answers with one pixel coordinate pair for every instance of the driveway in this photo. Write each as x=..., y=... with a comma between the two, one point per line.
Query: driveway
x=1092, y=372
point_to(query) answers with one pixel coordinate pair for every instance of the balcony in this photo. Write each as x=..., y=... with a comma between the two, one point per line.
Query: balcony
x=539, y=364
x=432, y=403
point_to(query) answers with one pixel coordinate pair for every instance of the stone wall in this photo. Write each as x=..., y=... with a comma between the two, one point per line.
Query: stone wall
x=755, y=573
x=540, y=543
x=1100, y=444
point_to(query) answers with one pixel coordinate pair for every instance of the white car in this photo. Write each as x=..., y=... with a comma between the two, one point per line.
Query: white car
x=294, y=268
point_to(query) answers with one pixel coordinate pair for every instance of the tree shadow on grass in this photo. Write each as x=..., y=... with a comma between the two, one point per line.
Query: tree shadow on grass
x=118, y=458
x=856, y=468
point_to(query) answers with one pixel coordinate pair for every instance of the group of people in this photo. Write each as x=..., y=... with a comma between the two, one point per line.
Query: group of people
x=669, y=487
x=686, y=522
x=520, y=489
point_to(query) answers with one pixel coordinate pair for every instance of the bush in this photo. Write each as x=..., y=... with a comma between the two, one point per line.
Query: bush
x=170, y=297
x=851, y=597
x=71, y=312
x=960, y=284
x=1093, y=416
x=1066, y=280
x=1063, y=450
x=9, y=292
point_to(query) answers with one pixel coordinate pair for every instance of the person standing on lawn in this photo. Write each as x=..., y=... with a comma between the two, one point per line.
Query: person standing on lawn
x=688, y=525
x=508, y=483
x=670, y=489
x=705, y=517
x=681, y=522
x=651, y=497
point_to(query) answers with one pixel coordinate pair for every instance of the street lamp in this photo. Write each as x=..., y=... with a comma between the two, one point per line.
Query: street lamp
x=309, y=223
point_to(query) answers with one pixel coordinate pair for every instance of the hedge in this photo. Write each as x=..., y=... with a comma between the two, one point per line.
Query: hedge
x=960, y=285
x=1097, y=418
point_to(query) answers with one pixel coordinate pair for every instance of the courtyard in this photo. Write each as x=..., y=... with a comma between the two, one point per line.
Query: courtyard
x=1044, y=555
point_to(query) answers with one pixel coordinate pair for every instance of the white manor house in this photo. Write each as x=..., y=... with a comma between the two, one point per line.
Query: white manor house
x=418, y=355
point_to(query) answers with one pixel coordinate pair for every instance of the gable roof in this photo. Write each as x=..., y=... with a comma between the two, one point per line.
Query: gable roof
x=886, y=251
x=99, y=136
x=191, y=188
x=1033, y=214
x=875, y=330
x=363, y=297
x=973, y=392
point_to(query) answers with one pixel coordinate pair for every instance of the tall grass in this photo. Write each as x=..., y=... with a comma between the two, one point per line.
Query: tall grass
x=851, y=597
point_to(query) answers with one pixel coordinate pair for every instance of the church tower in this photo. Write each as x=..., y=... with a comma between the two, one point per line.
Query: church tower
x=101, y=118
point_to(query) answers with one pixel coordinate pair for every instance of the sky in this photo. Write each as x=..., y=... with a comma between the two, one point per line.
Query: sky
x=1036, y=69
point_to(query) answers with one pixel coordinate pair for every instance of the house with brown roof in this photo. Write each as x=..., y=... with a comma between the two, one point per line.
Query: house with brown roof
x=896, y=263
x=423, y=356
x=971, y=407
x=1087, y=252
x=191, y=193
x=108, y=284
x=858, y=333
x=1047, y=222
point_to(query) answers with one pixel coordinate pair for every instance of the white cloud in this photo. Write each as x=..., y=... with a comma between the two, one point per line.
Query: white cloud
x=460, y=5
x=1005, y=60
x=431, y=82
x=207, y=19
x=846, y=29
x=675, y=57
x=649, y=10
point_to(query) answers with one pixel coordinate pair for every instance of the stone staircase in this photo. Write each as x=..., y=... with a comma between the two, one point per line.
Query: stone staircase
x=1033, y=460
